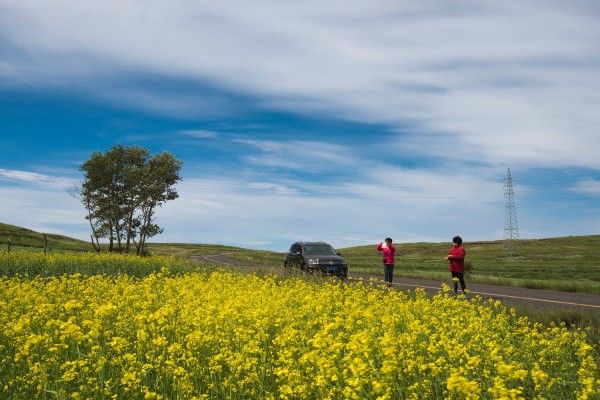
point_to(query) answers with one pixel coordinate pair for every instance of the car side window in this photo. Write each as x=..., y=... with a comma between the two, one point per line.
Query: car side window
x=295, y=248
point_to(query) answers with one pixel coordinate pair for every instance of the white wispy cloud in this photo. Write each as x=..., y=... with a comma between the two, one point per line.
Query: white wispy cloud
x=589, y=187
x=200, y=133
x=497, y=82
x=29, y=176
x=273, y=188
x=407, y=204
x=410, y=205
x=425, y=186
x=43, y=207
x=299, y=154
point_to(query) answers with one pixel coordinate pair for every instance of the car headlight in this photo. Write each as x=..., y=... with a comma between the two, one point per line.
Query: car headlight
x=313, y=261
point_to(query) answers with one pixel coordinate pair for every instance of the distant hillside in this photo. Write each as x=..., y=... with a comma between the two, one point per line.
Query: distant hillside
x=195, y=249
x=567, y=263
x=570, y=263
x=26, y=238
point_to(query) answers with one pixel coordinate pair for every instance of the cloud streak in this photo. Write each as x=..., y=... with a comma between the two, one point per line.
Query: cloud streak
x=303, y=155
x=502, y=83
x=42, y=205
x=407, y=204
x=590, y=187
x=269, y=213
x=29, y=176
x=200, y=133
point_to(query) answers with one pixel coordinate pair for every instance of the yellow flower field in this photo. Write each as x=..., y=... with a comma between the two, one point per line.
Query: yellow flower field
x=226, y=335
x=37, y=264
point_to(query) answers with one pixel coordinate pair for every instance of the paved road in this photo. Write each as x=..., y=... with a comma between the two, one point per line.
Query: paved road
x=223, y=259
x=512, y=295
x=507, y=294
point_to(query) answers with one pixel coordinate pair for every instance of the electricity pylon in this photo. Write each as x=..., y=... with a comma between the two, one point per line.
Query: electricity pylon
x=511, y=226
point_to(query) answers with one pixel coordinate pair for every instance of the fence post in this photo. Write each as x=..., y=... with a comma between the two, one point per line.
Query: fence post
x=45, y=244
x=9, y=240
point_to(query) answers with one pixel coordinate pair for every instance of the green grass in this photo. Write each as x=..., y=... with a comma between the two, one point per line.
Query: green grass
x=567, y=264
x=259, y=257
x=26, y=239
x=190, y=250
x=36, y=264
x=23, y=239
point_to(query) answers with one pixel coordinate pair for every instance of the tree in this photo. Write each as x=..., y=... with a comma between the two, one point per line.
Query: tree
x=160, y=174
x=120, y=192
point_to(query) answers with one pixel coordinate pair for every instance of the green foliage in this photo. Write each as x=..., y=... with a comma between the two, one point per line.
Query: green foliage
x=121, y=190
x=468, y=268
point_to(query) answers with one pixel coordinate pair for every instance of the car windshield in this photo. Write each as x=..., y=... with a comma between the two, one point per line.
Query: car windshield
x=319, y=250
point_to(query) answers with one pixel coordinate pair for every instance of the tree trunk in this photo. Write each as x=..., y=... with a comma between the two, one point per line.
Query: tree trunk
x=92, y=227
x=148, y=223
x=119, y=234
x=95, y=245
x=129, y=223
x=137, y=246
x=111, y=220
x=110, y=237
x=140, y=246
x=144, y=230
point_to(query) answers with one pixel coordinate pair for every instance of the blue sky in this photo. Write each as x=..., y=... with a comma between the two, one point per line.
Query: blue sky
x=342, y=121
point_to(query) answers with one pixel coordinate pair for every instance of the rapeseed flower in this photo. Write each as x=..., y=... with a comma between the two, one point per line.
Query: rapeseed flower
x=224, y=335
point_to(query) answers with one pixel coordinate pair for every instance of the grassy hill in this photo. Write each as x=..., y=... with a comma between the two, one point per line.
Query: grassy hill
x=27, y=239
x=195, y=249
x=567, y=263
x=22, y=238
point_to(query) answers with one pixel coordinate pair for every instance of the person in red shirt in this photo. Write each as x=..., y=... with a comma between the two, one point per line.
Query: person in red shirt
x=456, y=264
x=389, y=251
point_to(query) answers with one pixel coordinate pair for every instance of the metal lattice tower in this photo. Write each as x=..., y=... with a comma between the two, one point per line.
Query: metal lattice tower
x=511, y=226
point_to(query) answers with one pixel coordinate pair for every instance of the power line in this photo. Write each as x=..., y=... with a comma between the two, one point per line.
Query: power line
x=511, y=225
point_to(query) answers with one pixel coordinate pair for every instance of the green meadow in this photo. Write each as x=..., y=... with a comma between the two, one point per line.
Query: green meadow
x=567, y=263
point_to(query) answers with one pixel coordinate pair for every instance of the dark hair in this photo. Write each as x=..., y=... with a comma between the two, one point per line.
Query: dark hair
x=388, y=240
x=457, y=240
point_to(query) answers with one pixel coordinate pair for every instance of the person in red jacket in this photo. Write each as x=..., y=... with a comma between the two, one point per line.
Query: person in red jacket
x=389, y=251
x=456, y=264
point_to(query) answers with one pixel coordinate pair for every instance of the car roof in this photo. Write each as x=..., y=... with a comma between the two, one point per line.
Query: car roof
x=304, y=243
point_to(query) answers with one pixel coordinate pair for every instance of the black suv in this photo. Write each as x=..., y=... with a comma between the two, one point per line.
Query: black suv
x=316, y=256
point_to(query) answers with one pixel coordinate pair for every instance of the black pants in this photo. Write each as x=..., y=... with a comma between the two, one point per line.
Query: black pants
x=388, y=272
x=461, y=279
